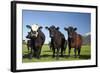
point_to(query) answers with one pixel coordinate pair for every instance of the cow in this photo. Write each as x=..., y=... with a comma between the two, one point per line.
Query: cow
x=28, y=44
x=57, y=40
x=51, y=44
x=74, y=40
x=37, y=38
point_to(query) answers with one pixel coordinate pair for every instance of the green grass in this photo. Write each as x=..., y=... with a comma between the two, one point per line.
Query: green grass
x=46, y=54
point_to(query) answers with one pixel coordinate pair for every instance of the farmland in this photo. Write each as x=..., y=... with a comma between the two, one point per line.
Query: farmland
x=46, y=54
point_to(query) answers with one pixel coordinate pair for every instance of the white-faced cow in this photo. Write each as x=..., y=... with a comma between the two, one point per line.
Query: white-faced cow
x=57, y=40
x=37, y=38
x=74, y=40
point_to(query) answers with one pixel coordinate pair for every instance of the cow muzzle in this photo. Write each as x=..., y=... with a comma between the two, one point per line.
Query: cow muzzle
x=70, y=36
x=34, y=34
x=51, y=36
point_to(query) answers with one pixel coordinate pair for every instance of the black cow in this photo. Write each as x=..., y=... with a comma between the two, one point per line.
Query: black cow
x=37, y=40
x=28, y=44
x=74, y=40
x=57, y=40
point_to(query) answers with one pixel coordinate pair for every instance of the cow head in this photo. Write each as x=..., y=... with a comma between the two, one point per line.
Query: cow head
x=34, y=30
x=70, y=31
x=52, y=30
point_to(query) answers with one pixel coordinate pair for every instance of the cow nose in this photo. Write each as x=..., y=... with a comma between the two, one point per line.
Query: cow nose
x=51, y=36
x=70, y=36
x=34, y=32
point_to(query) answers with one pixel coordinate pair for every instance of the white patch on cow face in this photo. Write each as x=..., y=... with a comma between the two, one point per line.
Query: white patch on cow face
x=35, y=27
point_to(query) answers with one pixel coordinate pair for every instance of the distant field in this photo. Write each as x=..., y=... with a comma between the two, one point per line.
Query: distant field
x=46, y=54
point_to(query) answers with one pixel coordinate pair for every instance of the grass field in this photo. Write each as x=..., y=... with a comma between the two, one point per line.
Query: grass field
x=46, y=54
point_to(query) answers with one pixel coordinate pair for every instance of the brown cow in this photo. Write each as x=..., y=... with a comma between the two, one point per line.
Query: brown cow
x=74, y=40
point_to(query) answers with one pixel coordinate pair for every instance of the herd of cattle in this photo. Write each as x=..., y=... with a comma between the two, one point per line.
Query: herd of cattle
x=58, y=41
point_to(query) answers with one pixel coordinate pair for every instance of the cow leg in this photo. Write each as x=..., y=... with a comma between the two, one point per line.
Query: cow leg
x=57, y=53
x=35, y=52
x=79, y=49
x=50, y=47
x=75, y=52
x=62, y=51
x=53, y=52
x=31, y=54
x=69, y=52
x=28, y=48
x=38, y=54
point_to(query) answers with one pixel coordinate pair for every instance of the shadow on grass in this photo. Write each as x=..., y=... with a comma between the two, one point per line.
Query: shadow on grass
x=42, y=56
x=85, y=57
x=65, y=56
x=46, y=55
x=26, y=56
x=47, y=51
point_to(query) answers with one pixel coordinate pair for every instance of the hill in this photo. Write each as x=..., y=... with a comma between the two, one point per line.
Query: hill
x=87, y=39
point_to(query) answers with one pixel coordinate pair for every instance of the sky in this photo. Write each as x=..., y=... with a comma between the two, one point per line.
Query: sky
x=82, y=21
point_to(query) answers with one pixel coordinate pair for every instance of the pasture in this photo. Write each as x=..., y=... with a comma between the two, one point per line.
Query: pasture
x=46, y=54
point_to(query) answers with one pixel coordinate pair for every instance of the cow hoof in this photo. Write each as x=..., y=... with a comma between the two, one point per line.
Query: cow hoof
x=75, y=56
x=78, y=56
x=53, y=56
x=68, y=55
x=62, y=55
x=57, y=58
x=38, y=58
x=30, y=57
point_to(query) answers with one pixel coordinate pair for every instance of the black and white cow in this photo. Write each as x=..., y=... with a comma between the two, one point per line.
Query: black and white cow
x=37, y=39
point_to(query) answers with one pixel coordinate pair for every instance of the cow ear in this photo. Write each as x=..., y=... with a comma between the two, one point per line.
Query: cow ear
x=65, y=29
x=28, y=26
x=75, y=29
x=57, y=28
x=40, y=27
x=46, y=28
x=28, y=32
